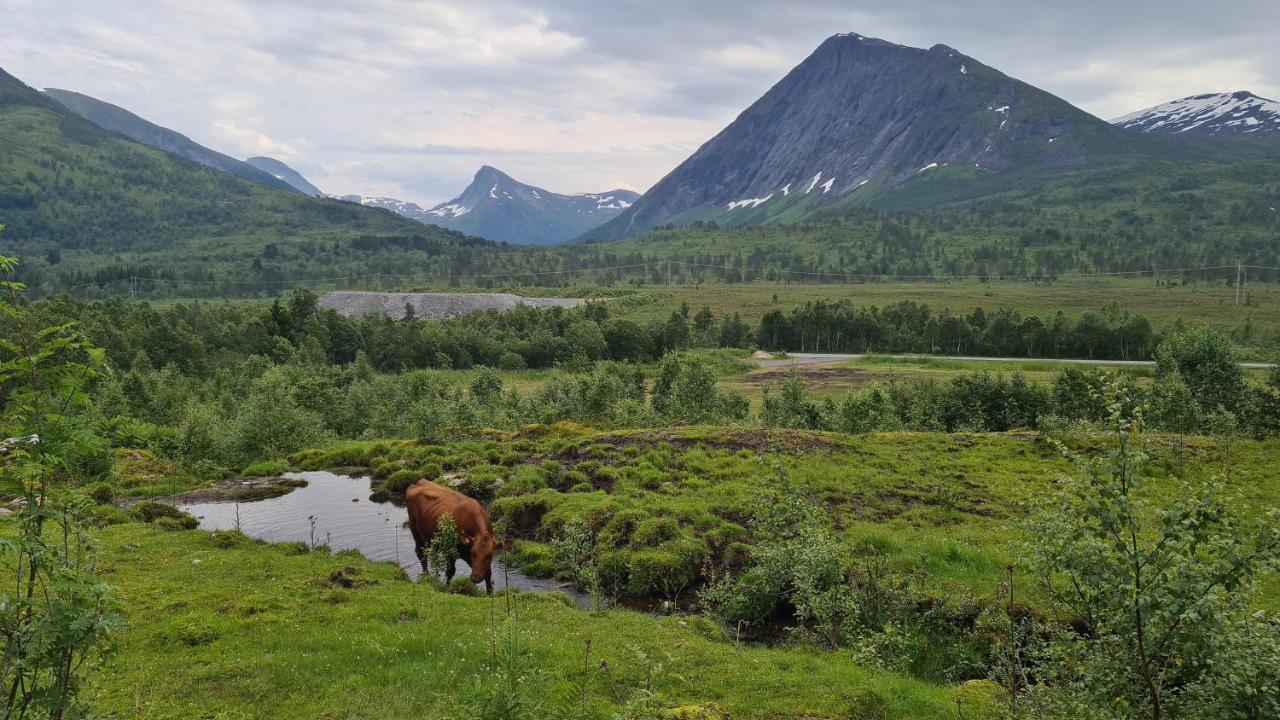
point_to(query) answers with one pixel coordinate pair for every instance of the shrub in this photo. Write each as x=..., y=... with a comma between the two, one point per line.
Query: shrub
x=104, y=515
x=667, y=570
x=187, y=522
x=617, y=531
x=267, y=468
x=614, y=573
x=150, y=511
x=511, y=361
x=102, y=493
x=524, y=479
x=653, y=532
x=442, y=551
x=533, y=558
x=401, y=480
x=462, y=586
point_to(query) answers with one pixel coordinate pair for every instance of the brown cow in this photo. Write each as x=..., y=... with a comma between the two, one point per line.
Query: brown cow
x=427, y=502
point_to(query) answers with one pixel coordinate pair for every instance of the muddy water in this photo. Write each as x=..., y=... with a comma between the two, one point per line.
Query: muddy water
x=336, y=510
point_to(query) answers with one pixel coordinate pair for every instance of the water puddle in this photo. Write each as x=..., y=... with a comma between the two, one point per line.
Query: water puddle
x=335, y=510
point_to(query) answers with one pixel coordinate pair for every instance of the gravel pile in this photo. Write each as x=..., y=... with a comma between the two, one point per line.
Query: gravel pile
x=431, y=305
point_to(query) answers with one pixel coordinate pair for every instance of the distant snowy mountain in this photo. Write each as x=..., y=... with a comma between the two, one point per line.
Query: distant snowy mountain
x=285, y=173
x=1210, y=115
x=864, y=121
x=408, y=209
x=496, y=207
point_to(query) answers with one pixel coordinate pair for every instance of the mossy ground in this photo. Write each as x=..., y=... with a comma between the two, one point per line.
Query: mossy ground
x=946, y=507
x=220, y=626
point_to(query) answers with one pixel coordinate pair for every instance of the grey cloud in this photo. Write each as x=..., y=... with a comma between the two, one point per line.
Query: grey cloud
x=407, y=98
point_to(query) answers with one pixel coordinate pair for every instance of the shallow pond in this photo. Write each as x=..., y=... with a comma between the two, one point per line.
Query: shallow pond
x=335, y=510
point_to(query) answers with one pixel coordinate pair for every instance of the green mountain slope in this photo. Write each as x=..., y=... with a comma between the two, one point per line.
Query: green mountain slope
x=83, y=205
x=117, y=119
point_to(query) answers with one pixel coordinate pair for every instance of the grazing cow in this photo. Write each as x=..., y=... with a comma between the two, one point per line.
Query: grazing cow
x=427, y=502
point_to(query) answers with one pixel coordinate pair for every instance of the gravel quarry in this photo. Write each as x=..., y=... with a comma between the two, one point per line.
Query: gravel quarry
x=431, y=305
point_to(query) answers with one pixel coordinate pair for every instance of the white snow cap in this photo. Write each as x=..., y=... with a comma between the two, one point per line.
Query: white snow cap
x=1218, y=111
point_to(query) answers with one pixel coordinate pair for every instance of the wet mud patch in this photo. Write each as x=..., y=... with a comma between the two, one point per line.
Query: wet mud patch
x=817, y=375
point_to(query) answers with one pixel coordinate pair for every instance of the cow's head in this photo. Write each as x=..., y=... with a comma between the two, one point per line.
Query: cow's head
x=482, y=549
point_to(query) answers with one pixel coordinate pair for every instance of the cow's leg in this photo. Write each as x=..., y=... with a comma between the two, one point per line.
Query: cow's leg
x=448, y=573
x=420, y=549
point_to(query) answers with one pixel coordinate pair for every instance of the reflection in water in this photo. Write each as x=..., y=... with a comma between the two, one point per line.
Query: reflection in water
x=336, y=510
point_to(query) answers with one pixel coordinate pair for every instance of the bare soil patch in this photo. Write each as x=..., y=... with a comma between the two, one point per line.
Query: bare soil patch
x=822, y=375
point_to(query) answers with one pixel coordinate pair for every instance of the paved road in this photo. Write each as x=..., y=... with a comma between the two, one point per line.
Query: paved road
x=816, y=358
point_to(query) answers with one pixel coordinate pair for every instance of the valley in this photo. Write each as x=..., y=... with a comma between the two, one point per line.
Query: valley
x=914, y=390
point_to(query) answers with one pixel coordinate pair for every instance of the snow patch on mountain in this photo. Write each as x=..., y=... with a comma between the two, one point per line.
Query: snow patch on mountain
x=1208, y=115
x=750, y=202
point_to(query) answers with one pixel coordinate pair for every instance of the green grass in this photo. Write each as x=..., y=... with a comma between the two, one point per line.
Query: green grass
x=1209, y=303
x=944, y=505
x=217, y=625
x=220, y=627
x=266, y=468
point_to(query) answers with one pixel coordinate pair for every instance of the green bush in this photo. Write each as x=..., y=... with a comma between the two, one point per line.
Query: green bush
x=183, y=523
x=533, y=558
x=667, y=570
x=150, y=511
x=614, y=573
x=653, y=532
x=524, y=480
x=618, y=530
x=511, y=361
x=266, y=468
x=102, y=493
x=104, y=515
x=400, y=481
x=462, y=586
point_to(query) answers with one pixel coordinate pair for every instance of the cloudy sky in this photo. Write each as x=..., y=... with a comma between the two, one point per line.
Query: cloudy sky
x=407, y=98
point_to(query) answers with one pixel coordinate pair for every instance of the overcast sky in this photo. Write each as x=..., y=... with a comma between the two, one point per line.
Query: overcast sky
x=408, y=99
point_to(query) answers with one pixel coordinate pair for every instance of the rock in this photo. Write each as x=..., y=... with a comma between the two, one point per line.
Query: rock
x=16, y=504
x=761, y=355
x=430, y=305
x=5, y=512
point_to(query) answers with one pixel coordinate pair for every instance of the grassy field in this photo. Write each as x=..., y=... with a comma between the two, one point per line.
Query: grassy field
x=946, y=505
x=1209, y=303
x=218, y=626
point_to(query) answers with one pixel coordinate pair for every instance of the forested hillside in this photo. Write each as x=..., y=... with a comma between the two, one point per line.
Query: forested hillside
x=83, y=205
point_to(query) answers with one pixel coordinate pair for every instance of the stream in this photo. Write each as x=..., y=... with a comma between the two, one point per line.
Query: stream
x=335, y=510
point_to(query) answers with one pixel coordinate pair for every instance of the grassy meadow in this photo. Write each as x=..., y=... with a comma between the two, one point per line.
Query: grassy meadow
x=220, y=626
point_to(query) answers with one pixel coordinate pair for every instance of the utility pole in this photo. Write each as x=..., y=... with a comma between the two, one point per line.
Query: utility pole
x=668, y=274
x=1239, y=271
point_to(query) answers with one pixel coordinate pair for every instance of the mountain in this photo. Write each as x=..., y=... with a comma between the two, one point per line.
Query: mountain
x=499, y=208
x=283, y=172
x=863, y=121
x=86, y=207
x=117, y=119
x=411, y=210
x=1212, y=115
